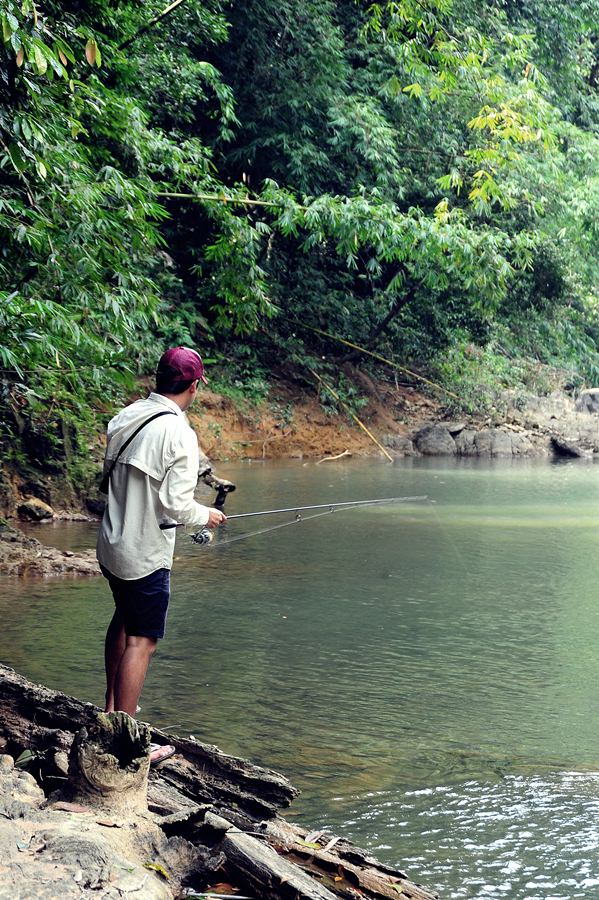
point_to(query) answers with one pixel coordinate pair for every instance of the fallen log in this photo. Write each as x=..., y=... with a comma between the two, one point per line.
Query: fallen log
x=201, y=816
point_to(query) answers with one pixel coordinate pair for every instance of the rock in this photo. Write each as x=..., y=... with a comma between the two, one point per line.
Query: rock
x=493, y=442
x=20, y=555
x=567, y=448
x=465, y=443
x=435, y=440
x=401, y=444
x=455, y=427
x=95, y=505
x=35, y=510
x=588, y=401
x=522, y=445
x=61, y=762
x=7, y=764
x=48, y=851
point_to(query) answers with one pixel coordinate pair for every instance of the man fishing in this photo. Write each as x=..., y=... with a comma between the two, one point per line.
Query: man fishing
x=150, y=474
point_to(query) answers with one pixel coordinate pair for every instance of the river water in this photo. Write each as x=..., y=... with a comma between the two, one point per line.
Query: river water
x=426, y=673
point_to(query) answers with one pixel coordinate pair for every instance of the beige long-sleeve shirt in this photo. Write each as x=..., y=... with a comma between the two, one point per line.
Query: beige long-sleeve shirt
x=152, y=483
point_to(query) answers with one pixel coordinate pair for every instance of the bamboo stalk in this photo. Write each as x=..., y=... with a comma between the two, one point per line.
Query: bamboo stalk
x=378, y=356
x=351, y=414
x=153, y=21
x=222, y=198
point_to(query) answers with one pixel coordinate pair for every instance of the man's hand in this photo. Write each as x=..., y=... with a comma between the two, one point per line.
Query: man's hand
x=215, y=517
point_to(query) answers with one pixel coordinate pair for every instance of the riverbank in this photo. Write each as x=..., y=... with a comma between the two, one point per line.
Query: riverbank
x=291, y=423
x=21, y=554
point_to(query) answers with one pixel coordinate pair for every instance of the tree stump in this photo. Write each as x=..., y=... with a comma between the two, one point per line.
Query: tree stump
x=109, y=763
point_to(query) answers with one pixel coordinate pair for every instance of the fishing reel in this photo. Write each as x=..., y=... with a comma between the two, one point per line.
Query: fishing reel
x=203, y=536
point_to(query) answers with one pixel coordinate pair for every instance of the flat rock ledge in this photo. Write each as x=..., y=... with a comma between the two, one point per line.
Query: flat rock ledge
x=105, y=825
x=23, y=555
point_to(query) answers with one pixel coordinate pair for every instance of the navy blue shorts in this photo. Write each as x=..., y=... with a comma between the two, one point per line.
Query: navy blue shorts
x=142, y=603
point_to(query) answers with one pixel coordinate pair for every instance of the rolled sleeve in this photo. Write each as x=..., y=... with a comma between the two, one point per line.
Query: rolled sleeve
x=178, y=486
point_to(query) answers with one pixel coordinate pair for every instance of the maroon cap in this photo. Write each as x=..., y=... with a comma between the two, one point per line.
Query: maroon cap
x=183, y=364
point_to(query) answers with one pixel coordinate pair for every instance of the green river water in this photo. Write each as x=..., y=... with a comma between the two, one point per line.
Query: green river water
x=427, y=674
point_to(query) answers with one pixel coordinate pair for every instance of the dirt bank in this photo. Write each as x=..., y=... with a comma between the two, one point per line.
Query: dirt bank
x=293, y=424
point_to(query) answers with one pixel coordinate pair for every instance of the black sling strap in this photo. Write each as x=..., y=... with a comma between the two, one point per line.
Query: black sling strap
x=104, y=484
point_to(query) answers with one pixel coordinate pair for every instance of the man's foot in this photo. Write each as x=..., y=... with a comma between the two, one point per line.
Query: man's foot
x=160, y=752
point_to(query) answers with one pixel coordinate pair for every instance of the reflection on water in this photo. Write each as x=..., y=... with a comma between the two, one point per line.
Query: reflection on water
x=425, y=673
x=531, y=837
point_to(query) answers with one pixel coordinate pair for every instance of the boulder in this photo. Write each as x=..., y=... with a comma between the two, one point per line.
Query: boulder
x=435, y=440
x=455, y=427
x=95, y=505
x=465, y=443
x=522, y=445
x=493, y=442
x=588, y=401
x=35, y=510
x=567, y=448
x=401, y=444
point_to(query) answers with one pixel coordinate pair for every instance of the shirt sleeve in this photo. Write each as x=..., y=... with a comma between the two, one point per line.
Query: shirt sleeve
x=178, y=485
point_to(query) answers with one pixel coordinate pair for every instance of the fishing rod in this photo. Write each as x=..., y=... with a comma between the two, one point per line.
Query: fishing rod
x=205, y=535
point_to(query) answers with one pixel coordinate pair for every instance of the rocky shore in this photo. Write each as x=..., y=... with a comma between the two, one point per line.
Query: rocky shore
x=83, y=815
x=23, y=555
x=556, y=425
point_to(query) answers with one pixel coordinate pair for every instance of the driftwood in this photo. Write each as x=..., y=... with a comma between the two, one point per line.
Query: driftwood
x=209, y=817
x=331, y=458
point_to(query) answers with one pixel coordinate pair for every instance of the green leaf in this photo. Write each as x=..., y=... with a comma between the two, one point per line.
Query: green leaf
x=6, y=30
x=17, y=158
x=25, y=758
x=414, y=90
x=40, y=61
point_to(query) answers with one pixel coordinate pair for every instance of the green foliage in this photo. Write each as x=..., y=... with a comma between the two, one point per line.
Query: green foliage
x=419, y=176
x=349, y=400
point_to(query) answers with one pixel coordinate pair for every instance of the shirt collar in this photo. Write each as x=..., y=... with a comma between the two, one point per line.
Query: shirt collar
x=165, y=401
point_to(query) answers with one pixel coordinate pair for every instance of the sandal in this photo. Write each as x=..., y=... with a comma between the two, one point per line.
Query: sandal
x=160, y=752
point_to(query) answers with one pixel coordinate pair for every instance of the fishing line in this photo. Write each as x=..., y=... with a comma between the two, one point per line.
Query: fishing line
x=459, y=556
x=242, y=537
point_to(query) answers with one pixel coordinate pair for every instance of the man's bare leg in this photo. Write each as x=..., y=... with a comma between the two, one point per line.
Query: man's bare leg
x=127, y=660
x=114, y=648
x=131, y=672
x=129, y=681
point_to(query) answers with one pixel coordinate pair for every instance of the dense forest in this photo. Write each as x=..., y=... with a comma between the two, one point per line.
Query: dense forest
x=419, y=177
